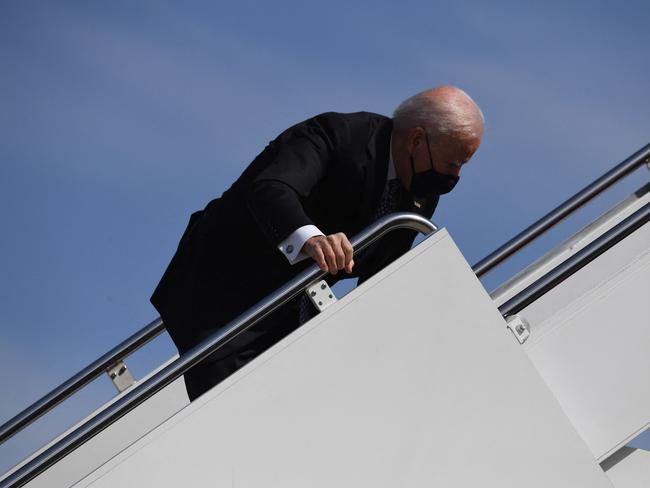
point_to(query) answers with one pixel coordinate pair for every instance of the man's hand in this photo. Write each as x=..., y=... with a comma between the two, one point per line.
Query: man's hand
x=332, y=252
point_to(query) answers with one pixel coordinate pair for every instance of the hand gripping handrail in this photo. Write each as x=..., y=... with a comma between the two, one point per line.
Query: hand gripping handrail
x=142, y=391
x=642, y=156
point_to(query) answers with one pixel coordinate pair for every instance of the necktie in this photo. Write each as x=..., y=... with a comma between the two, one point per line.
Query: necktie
x=389, y=202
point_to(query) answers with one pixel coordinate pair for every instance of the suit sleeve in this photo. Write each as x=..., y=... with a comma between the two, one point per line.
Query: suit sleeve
x=300, y=158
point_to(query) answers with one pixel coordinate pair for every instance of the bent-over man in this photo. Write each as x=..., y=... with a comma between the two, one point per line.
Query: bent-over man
x=316, y=184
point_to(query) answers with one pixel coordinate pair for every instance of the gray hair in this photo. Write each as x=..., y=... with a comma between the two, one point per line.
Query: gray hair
x=438, y=116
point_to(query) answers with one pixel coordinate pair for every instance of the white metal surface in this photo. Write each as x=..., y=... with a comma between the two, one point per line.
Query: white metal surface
x=571, y=246
x=633, y=471
x=590, y=338
x=390, y=386
x=110, y=442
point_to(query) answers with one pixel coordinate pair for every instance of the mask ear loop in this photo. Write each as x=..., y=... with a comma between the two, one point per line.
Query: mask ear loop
x=415, y=201
x=426, y=136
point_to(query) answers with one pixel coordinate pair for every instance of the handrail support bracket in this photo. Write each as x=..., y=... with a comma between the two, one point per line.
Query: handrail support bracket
x=120, y=376
x=519, y=327
x=321, y=295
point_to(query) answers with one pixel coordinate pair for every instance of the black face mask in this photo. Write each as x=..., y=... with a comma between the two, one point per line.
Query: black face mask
x=430, y=182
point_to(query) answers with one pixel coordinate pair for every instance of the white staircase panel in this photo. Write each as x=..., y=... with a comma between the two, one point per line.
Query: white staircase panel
x=590, y=338
x=572, y=245
x=113, y=440
x=410, y=380
x=633, y=471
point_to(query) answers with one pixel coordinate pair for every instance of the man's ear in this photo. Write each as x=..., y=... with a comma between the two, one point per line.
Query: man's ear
x=415, y=138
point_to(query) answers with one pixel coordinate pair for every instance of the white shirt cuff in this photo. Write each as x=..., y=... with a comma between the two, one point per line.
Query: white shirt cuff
x=292, y=245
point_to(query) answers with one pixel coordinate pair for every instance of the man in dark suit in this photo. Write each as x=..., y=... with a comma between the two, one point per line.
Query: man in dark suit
x=317, y=183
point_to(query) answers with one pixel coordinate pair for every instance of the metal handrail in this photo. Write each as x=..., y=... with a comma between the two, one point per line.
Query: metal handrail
x=137, y=340
x=576, y=262
x=141, y=392
x=642, y=156
x=79, y=380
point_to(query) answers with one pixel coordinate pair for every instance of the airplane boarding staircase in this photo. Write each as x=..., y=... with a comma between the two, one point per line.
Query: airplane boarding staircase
x=417, y=377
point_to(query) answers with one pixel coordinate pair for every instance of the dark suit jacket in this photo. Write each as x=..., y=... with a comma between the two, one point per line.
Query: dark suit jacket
x=329, y=171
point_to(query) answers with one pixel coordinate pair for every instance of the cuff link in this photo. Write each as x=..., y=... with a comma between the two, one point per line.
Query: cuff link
x=289, y=249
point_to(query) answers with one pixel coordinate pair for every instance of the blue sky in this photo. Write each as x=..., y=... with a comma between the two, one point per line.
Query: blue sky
x=119, y=119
